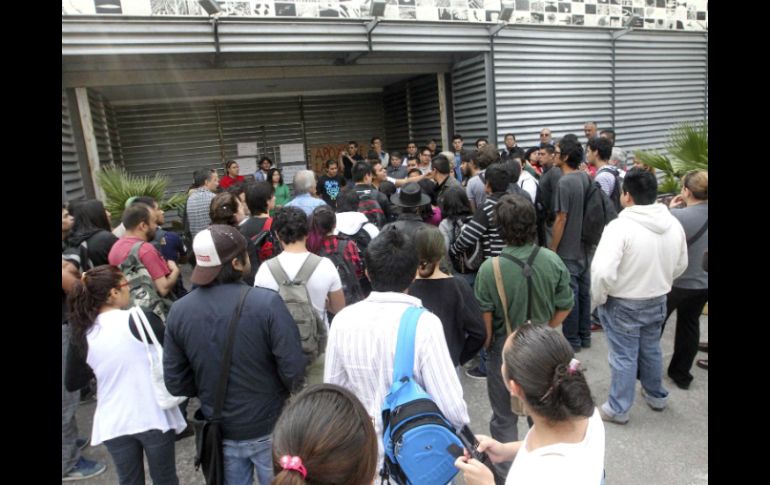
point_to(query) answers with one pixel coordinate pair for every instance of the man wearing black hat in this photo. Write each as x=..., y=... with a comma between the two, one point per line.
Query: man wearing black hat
x=267, y=361
x=410, y=199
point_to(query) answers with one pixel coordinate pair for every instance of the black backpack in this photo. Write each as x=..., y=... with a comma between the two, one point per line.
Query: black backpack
x=368, y=206
x=470, y=260
x=615, y=194
x=540, y=211
x=598, y=211
x=78, y=255
x=350, y=284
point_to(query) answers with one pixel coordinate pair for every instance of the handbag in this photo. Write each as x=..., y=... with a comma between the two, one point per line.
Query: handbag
x=208, y=431
x=164, y=398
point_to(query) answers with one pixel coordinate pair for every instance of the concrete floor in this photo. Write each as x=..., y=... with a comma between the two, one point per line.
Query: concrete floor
x=669, y=447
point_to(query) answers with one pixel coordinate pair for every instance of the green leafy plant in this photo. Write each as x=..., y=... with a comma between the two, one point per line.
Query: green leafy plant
x=688, y=149
x=119, y=186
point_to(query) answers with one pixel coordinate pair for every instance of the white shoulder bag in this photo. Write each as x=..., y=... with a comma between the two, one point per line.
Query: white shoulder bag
x=164, y=398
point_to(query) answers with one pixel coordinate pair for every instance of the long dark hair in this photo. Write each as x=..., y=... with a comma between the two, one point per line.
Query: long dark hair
x=87, y=296
x=455, y=204
x=327, y=427
x=537, y=358
x=89, y=216
x=270, y=176
x=322, y=222
x=430, y=246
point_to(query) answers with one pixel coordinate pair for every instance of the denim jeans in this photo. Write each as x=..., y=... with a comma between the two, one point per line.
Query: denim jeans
x=241, y=457
x=577, y=325
x=70, y=453
x=503, y=426
x=126, y=452
x=632, y=328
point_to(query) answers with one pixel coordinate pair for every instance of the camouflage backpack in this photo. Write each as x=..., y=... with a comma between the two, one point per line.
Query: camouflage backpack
x=141, y=286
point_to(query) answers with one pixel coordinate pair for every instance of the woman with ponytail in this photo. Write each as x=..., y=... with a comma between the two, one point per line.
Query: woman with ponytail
x=566, y=442
x=451, y=299
x=106, y=344
x=324, y=436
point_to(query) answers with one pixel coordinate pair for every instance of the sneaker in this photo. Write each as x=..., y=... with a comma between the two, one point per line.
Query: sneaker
x=84, y=469
x=610, y=419
x=702, y=363
x=703, y=346
x=475, y=373
x=82, y=443
x=654, y=408
x=586, y=344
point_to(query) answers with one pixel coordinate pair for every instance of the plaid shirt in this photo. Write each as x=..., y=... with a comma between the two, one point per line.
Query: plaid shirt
x=350, y=255
x=198, y=205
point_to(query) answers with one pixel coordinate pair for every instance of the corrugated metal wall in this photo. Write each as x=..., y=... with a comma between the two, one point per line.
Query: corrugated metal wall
x=425, y=117
x=114, y=133
x=101, y=130
x=469, y=100
x=71, y=177
x=551, y=78
x=660, y=81
x=412, y=112
x=396, y=117
x=170, y=139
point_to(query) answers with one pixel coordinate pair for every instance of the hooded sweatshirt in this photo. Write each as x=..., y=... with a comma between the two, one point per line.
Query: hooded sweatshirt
x=349, y=223
x=639, y=255
x=99, y=244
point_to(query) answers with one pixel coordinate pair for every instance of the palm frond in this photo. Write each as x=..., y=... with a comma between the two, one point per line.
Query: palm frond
x=654, y=159
x=119, y=186
x=689, y=146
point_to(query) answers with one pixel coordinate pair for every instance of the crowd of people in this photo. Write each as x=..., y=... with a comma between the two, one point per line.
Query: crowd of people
x=310, y=290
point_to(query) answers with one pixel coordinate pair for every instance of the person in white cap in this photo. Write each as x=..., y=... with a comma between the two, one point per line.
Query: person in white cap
x=267, y=360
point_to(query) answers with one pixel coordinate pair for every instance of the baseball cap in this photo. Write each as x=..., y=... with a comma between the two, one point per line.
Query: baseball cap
x=214, y=247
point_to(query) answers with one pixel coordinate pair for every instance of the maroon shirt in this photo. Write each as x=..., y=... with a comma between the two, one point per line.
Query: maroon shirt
x=148, y=255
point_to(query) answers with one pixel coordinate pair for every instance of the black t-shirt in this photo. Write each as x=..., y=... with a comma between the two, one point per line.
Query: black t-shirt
x=452, y=301
x=329, y=188
x=347, y=170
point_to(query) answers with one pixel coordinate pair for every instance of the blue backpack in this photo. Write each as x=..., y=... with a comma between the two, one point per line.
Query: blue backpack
x=416, y=434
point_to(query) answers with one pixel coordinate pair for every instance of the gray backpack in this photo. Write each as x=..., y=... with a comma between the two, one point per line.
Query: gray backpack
x=312, y=330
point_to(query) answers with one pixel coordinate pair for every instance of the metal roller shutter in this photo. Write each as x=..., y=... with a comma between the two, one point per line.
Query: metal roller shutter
x=339, y=119
x=114, y=134
x=469, y=100
x=660, y=81
x=555, y=78
x=268, y=121
x=396, y=117
x=170, y=139
x=424, y=116
x=71, y=177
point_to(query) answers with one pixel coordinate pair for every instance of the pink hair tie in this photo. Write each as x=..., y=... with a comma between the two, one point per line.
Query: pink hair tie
x=293, y=463
x=573, y=366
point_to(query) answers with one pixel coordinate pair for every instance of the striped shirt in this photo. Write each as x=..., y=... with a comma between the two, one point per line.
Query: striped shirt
x=362, y=347
x=198, y=205
x=481, y=227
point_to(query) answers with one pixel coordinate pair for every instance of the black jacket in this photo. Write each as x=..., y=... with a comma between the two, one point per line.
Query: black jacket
x=267, y=362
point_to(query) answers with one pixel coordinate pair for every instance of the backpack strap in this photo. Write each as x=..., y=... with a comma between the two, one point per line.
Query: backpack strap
x=526, y=268
x=501, y=291
x=698, y=234
x=403, y=362
x=277, y=271
x=306, y=271
x=135, y=250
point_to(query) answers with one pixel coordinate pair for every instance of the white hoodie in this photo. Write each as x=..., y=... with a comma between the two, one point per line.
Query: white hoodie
x=639, y=255
x=349, y=223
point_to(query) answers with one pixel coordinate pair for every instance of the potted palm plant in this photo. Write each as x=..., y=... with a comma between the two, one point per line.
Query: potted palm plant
x=119, y=185
x=688, y=149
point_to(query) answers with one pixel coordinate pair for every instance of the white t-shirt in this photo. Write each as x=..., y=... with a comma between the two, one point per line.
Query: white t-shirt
x=125, y=399
x=574, y=463
x=324, y=279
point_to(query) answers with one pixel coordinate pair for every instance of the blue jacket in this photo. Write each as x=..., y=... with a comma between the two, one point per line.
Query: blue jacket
x=267, y=362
